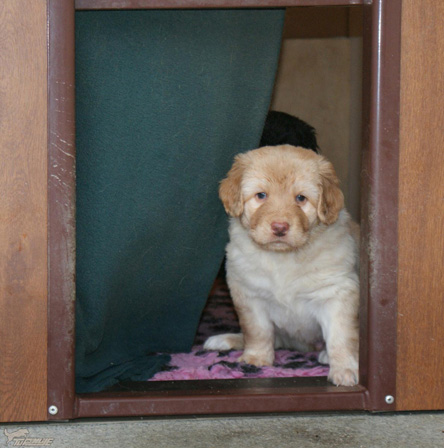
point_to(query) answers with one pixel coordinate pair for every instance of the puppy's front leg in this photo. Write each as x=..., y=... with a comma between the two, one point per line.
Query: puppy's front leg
x=340, y=329
x=258, y=332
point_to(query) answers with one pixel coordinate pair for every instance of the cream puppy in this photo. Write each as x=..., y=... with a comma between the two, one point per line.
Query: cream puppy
x=291, y=260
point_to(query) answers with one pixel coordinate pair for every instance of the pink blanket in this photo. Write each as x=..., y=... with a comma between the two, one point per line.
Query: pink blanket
x=219, y=317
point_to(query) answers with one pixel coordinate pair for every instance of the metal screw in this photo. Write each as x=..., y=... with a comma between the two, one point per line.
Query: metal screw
x=389, y=399
x=53, y=410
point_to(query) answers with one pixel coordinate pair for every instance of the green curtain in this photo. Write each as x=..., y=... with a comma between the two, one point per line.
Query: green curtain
x=164, y=101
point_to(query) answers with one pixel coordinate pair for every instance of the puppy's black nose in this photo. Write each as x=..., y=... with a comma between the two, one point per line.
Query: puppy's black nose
x=280, y=228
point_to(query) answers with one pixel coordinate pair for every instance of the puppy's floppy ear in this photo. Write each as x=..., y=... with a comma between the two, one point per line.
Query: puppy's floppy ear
x=331, y=200
x=230, y=188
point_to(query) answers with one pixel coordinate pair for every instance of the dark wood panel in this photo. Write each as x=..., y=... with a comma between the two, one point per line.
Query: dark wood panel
x=61, y=208
x=379, y=199
x=23, y=210
x=420, y=371
x=316, y=23
x=223, y=397
x=188, y=4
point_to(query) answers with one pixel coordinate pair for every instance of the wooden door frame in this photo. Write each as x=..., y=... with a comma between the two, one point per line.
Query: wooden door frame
x=378, y=253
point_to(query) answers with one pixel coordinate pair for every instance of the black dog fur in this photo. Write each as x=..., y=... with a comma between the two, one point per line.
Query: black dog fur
x=281, y=128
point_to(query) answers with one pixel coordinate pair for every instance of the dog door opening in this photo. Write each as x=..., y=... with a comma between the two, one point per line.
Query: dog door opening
x=153, y=142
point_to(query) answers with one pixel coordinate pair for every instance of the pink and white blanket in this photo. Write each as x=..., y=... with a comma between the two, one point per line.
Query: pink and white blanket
x=219, y=317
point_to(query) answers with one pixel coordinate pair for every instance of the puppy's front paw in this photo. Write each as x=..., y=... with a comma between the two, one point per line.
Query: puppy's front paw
x=323, y=357
x=341, y=376
x=257, y=359
x=222, y=342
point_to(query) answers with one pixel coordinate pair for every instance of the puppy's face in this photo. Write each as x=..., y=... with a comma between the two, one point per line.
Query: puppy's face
x=280, y=194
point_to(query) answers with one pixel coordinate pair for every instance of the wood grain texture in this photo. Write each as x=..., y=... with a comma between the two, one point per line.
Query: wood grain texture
x=420, y=370
x=23, y=210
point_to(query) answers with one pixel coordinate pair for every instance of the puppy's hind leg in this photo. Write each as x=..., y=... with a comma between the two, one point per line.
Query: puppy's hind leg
x=227, y=341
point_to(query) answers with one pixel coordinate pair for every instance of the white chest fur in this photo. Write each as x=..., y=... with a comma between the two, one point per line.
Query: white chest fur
x=292, y=287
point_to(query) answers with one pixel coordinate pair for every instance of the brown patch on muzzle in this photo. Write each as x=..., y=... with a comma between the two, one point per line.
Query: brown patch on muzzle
x=270, y=224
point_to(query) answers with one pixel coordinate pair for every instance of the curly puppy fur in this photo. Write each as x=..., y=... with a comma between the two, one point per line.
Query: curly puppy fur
x=291, y=260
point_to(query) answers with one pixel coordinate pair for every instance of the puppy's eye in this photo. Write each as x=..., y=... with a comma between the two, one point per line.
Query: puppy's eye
x=261, y=196
x=301, y=199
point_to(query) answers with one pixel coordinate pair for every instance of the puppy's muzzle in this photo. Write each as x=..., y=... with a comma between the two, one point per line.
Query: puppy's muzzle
x=280, y=228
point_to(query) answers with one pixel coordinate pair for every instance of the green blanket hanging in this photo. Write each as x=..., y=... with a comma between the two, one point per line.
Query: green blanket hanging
x=164, y=101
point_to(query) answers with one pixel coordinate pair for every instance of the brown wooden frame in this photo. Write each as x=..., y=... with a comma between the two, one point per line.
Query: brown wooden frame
x=379, y=242
x=196, y=4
